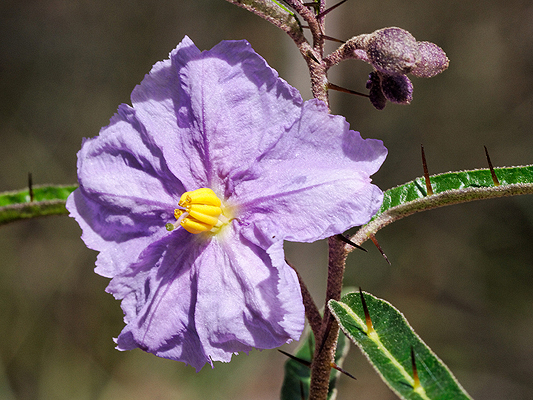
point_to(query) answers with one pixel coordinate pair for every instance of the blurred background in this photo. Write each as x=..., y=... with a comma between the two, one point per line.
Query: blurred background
x=461, y=275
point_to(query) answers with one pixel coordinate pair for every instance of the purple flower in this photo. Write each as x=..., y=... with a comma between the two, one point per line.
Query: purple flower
x=225, y=154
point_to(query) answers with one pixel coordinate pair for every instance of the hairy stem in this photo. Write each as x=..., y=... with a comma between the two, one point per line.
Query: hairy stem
x=351, y=49
x=311, y=310
x=326, y=342
x=309, y=16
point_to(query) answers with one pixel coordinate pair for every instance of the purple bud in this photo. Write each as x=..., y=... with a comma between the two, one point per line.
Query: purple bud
x=432, y=60
x=392, y=51
x=377, y=98
x=397, y=88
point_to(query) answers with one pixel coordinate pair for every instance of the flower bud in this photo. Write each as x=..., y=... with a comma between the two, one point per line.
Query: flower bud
x=377, y=98
x=394, y=88
x=432, y=60
x=397, y=88
x=392, y=51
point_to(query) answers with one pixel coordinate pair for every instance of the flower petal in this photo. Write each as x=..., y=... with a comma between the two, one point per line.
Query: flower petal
x=155, y=101
x=117, y=234
x=126, y=193
x=159, y=293
x=285, y=170
x=198, y=301
x=268, y=288
x=377, y=98
x=124, y=149
x=315, y=182
x=229, y=109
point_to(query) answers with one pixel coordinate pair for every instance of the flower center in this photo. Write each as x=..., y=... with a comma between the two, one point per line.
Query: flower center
x=201, y=211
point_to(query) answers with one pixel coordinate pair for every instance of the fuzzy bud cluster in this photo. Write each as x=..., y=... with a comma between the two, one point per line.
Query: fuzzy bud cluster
x=394, y=53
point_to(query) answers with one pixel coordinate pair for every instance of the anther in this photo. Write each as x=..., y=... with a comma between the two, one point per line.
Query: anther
x=201, y=211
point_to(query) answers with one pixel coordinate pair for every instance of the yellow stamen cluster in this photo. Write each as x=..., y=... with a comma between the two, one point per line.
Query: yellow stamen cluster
x=201, y=211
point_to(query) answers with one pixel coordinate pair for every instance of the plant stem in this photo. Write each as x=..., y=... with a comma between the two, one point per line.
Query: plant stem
x=311, y=310
x=326, y=343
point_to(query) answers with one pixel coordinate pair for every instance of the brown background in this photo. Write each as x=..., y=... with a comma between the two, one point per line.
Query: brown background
x=461, y=275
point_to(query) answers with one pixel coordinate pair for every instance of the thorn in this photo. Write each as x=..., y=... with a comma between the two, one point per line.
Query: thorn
x=30, y=187
x=302, y=392
x=335, y=366
x=326, y=37
x=301, y=361
x=375, y=241
x=312, y=56
x=369, y=326
x=333, y=39
x=344, y=239
x=492, y=172
x=426, y=173
x=341, y=89
x=415, y=371
x=323, y=13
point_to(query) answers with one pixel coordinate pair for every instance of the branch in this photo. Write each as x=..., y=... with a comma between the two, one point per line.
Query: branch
x=471, y=185
x=310, y=17
x=275, y=13
x=47, y=200
x=311, y=310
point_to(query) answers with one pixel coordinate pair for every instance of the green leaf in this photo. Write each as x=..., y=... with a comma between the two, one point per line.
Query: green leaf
x=479, y=178
x=298, y=376
x=388, y=347
x=284, y=8
x=449, y=188
x=47, y=200
x=276, y=13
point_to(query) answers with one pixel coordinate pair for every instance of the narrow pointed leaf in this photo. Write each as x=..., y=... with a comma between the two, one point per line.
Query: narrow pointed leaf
x=298, y=375
x=275, y=12
x=448, y=189
x=388, y=348
x=47, y=200
x=456, y=181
